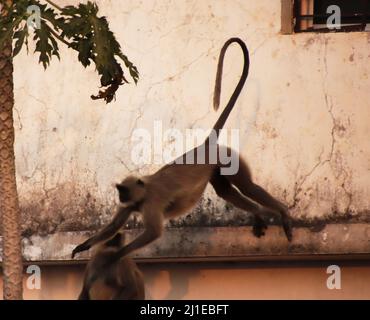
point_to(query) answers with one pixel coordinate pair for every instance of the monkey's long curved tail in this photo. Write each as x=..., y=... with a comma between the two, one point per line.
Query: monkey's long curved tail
x=217, y=93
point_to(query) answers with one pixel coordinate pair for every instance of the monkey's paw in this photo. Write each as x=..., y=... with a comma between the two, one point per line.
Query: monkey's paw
x=288, y=227
x=81, y=247
x=259, y=227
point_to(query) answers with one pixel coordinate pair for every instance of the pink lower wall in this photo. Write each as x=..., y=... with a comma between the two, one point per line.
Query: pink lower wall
x=221, y=281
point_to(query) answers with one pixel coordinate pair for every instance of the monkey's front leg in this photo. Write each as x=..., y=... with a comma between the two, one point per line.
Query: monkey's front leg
x=142, y=240
x=153, y=224
x=108, y=231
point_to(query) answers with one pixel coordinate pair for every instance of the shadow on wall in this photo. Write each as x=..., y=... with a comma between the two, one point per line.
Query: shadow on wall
x=169, y=283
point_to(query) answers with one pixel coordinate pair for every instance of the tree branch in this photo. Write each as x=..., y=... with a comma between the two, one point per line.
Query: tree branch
x=56, y=35
x=54, y=5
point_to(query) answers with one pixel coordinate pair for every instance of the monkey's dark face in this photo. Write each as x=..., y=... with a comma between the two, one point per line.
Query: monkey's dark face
x=131, y=189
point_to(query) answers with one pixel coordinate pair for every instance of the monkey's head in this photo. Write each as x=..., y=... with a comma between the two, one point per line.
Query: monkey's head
x=131, y=189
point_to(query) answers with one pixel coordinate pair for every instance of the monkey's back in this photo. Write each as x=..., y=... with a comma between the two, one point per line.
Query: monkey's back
x=122, y=281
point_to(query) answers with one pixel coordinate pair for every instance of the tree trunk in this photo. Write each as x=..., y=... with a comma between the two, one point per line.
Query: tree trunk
x=9, y=207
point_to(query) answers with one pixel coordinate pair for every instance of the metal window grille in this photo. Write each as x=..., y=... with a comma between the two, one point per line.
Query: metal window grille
x=311, y=15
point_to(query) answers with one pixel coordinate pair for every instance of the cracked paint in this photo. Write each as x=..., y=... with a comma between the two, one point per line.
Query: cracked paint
x=303, y=115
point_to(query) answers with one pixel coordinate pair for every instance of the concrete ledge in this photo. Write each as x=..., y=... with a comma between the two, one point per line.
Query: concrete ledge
x=221, y=243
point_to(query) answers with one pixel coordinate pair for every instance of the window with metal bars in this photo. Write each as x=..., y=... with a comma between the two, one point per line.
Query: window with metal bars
x=313, y=16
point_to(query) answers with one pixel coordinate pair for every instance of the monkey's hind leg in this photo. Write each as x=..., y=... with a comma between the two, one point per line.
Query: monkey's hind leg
x=243, y=181
x=225, y=190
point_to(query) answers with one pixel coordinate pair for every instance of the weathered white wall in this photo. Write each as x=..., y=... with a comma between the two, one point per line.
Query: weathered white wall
x=303, y=116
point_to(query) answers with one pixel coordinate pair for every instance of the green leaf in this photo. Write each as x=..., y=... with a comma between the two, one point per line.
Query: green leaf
x=8, y=25
x=51, y=16
x=45, y=44
x=20, y=35
x=54, y=43
x=81, y=29
x=85, y=48
x=132, y=69
x=96, y=43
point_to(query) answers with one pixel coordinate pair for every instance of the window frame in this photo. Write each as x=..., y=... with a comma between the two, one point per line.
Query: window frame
x=290, y=11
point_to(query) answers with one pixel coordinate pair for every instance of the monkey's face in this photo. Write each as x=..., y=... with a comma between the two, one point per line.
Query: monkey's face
x=132, y=189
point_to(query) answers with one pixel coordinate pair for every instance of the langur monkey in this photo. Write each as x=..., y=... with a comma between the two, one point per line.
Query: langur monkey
x=177, y=187
x=121, y=280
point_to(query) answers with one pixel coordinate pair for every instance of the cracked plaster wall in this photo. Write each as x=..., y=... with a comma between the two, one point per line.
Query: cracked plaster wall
x=303, y=115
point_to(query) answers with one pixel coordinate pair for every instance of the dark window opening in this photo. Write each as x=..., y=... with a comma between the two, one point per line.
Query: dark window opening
x=311, y=15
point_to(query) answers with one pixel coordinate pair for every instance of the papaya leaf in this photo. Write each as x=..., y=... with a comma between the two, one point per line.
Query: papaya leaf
x=45, y=44
x=80, y=28
x=96, y=43
x=20, y=36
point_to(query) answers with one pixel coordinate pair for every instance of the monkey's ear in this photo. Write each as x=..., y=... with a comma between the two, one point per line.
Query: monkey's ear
x=140, y=182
